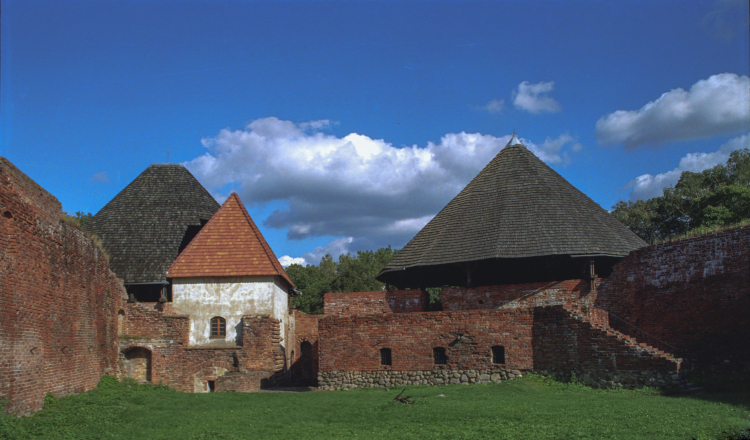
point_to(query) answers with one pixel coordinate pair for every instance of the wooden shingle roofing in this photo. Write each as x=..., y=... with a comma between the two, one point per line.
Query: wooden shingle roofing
x=143, y=227
x=516, y=207
x=230, y=244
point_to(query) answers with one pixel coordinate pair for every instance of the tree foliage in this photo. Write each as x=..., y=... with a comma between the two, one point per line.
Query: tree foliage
x=348, y=274
x=718, y=196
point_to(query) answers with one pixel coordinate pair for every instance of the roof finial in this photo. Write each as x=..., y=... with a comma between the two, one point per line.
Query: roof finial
x=514, y=140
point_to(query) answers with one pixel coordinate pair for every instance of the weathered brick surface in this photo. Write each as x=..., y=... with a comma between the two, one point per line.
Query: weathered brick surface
x=188, y=368
x=58, y=299
x=693, y=294
x=519, y=295
x=548, y=337
x=353, y=343
x=304, y=365
x=368, y=303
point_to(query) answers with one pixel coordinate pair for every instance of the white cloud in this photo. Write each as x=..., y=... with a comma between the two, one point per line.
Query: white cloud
x=363, y=189
x=287, y=261
x=647, y=186
x=494, y=106
x=715, y=106
x=101, y=177
x=335, y=248
x=533, y=97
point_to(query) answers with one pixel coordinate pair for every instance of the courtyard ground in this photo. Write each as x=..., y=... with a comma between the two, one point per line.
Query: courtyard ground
x=531, y=407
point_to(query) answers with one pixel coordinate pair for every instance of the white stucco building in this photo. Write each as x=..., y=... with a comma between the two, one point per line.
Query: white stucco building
x=226, y=272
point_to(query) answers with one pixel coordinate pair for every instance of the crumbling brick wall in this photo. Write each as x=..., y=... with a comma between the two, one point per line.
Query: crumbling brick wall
x=151, y=327
x=564, y=342
x=58, y=299
x=548, y=337
x=519, y=295
x=353, y=343
x=368, y=303
x=303, y=348
x=693, y=294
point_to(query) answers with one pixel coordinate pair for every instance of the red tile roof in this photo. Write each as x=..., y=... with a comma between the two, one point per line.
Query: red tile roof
x=228, y=245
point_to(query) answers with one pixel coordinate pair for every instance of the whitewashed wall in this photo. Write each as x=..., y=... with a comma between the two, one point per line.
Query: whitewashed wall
x=231, y=298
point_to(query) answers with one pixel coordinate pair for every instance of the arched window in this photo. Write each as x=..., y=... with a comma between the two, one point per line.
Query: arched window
x=498, y=354
x=218, y=327
x=385, y=356
x=438, y=355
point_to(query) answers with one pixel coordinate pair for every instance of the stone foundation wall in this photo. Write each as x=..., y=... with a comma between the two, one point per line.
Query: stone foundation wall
x=627, y=379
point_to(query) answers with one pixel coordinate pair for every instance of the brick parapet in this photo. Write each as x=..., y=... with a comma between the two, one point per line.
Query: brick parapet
x=377, y=302
x=564, y=292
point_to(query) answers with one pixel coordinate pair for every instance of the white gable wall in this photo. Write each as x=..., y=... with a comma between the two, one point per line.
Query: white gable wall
x=231, y=298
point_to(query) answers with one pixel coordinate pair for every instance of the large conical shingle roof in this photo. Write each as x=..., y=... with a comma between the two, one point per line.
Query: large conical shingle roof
x=146, y=224
x=517, y=207
x=229, y=245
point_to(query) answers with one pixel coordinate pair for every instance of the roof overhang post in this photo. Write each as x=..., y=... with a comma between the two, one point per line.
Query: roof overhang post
x=592, y=275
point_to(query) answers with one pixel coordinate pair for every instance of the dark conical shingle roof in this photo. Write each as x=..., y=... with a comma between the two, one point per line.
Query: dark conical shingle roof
x=516, y=207
x=143, y=227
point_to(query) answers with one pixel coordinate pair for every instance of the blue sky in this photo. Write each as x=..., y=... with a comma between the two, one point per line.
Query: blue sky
x=347, y=125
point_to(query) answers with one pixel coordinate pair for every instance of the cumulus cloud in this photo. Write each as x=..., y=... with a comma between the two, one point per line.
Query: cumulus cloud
x=647, y=186
x=363, y=189
x=494, y=106
x=287, y=261
x=335, y=248
x=101, y=177
x=534, y=97
x=718, y=105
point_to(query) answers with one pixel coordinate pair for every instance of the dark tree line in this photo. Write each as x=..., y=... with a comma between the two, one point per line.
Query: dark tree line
x=716, y=197
x=348, y=274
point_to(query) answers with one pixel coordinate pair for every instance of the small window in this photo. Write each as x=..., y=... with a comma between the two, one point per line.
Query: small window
x=498, y=354
x=438, y=354
x=218, y=327
x=385, y=356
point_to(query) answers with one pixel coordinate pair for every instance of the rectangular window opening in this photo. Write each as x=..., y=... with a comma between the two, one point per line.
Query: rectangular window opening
x=438, y=355
x=211, y=386
x=385, y=356
x=498, y=354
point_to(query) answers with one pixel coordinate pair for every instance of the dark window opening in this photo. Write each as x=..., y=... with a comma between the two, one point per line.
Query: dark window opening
x=218, y=327
x=148, y=292
x=385, y=356
x=211, y=386
x=438, y=355
x=498, y=354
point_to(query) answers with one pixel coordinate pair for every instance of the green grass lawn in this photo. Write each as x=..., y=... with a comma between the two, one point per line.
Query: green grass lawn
x=528, y=408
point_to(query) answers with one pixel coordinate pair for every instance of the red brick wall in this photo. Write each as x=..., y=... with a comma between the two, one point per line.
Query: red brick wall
x=562, y=342
x=693, y=294
x=534, y=338
x=175, y=363
x=374, y=303
x=303, y=328
x=519, y=295
x=58, y=299
x=353, y=343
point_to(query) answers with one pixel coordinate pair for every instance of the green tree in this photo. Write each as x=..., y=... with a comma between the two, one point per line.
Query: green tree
x=348, y=274
x=718, y=196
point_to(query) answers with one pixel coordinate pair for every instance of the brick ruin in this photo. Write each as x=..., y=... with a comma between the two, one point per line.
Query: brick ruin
x=64, y=322
x=58, y=299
